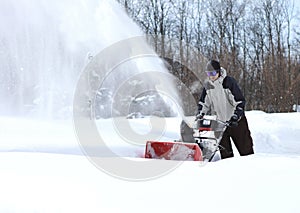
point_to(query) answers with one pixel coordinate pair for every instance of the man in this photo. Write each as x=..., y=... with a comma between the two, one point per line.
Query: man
x=221, y=96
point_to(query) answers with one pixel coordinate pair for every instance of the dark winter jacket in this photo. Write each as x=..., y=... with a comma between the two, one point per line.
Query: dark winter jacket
x=222, y=97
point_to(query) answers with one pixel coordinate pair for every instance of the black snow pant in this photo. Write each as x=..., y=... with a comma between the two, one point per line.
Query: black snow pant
x=241, y=138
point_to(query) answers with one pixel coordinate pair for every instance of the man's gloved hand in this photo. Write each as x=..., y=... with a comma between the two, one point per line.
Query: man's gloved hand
x=199, y=116
x=198, y=120
x=233, y=122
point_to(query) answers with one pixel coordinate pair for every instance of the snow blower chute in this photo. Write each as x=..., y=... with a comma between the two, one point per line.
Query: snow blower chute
x=197, y=144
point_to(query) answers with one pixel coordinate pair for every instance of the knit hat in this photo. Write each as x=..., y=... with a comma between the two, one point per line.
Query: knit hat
x=213, y=65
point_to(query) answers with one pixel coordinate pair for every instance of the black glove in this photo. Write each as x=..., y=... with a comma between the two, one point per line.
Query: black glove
x=198, y=119
x=199, y=116
x=233, y=122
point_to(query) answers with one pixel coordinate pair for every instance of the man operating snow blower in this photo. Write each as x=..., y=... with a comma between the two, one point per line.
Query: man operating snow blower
x=221, y=96
x=220, y=118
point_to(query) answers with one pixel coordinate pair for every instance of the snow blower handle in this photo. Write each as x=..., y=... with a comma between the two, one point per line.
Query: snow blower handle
x=201, y=118
x=209, y=123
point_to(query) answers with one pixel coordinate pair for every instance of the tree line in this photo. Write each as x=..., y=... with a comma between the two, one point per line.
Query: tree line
x=256, y=41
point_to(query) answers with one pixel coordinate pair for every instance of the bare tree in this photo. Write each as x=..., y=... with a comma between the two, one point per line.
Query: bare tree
x=255, y=40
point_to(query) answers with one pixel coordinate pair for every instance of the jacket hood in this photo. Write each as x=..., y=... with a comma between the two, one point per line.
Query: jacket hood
x=223, y=72
x=222, y=75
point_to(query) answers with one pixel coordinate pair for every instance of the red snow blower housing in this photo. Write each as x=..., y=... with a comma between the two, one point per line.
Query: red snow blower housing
x=199, y=143
x=173, y=151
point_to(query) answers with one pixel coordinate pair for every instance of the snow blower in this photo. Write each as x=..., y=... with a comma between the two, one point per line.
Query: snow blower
x=200, y=143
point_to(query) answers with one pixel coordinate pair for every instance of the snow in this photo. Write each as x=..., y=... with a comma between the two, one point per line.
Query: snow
x=43, y=169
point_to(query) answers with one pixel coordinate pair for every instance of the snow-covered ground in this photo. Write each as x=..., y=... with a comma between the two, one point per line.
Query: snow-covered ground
x=43, y=169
